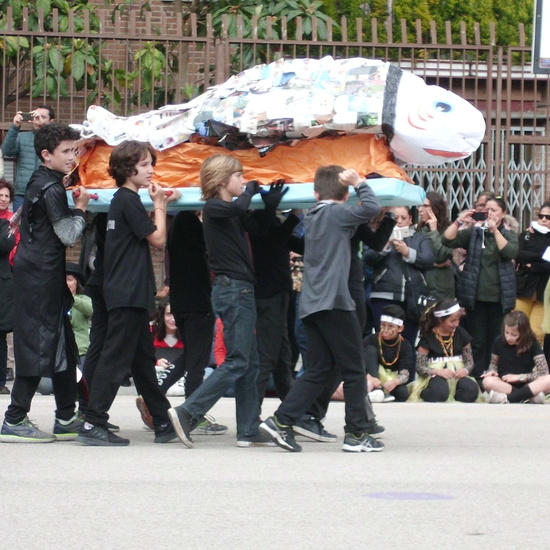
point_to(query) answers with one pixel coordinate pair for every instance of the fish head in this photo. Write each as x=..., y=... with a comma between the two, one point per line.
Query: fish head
x=433, y=125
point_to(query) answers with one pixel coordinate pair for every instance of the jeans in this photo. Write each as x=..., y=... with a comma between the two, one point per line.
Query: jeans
x=233, y=301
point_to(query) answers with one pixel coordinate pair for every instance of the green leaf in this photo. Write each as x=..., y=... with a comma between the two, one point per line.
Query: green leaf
x=78, y=65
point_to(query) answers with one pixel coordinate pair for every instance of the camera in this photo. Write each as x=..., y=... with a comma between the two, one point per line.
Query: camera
x=479, y=216
x=400, y=233
x=27, y=117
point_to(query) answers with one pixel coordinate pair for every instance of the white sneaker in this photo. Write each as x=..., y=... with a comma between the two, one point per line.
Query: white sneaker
x=539, y=399
x=376, y=396
x=497, y=397
x=388, y=398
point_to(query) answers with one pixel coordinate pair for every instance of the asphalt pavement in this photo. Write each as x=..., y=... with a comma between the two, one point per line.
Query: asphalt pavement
x=452, y=476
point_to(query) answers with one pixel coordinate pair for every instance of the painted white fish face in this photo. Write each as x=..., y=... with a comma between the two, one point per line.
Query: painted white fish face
x=433, y=125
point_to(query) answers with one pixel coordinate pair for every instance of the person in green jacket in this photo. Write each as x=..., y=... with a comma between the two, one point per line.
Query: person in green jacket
x=433, y=222
x=20, y=146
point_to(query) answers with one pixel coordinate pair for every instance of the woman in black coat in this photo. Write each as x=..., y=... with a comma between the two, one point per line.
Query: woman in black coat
x=533, y=269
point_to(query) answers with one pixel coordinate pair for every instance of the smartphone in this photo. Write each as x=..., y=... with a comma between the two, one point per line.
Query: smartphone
x=400, y=233
x=27, y=117
x=479, y=216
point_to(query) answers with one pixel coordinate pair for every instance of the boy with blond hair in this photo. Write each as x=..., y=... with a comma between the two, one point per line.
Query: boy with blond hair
x=227, y=220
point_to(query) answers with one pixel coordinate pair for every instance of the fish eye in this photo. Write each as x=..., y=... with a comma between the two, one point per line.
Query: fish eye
x=443, y=107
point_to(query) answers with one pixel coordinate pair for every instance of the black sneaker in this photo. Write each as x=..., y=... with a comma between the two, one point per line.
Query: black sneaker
x=67, y=431
x=362, y=443
x=282, y=435
x=165, y=433
x=98, y=436
x=183, y=424
x=373, y=428
x=112, y=427
x=310, y=427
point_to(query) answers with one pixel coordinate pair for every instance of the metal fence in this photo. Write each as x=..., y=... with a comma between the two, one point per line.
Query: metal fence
x=132, y=65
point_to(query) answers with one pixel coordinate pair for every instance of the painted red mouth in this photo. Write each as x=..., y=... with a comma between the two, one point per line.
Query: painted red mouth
x=446, y=154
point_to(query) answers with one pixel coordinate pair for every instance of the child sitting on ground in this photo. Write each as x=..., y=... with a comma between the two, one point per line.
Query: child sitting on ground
x=518, y=371
x=444, y=358
x=389, y=357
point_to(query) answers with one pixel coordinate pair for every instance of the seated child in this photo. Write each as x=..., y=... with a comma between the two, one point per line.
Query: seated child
x=389, y=357
x=170, y=364
x=444, y=358
x=518, y=371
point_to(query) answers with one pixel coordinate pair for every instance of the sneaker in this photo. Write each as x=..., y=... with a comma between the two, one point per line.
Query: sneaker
x=310, y=427
x=539, y=399
x=165, y=433
x=145, y=414
x=258, y=440
x=24, y=432
x=4, y=390
x=497, y=397
x=99, y=436
x=67, y=431
x=377, y=396
x=183, y=424
x=112, y=427
x=282, y=435
x=208, y=426
x=388, y=398
x=10, y=376
x=373, y=428
x=362, y=443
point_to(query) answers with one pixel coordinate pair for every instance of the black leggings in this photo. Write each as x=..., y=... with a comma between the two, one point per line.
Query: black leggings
x=438, y=390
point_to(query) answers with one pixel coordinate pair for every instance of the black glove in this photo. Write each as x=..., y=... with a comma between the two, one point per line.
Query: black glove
x=253, y=187
x=276, y=192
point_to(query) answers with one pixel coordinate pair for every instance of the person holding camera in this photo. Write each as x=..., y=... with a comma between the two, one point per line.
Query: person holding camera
x=398, y=271
x=486, y=287
x=20, y=145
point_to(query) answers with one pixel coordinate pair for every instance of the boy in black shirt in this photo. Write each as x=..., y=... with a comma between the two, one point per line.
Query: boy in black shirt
x=225, y=223
x=129, y=290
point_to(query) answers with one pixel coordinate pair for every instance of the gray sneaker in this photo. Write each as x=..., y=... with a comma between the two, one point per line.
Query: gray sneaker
x=24, y=432
x=363, y=443
x=257, y=440
x=67, y=431
x=207, y=426
x=310, y=427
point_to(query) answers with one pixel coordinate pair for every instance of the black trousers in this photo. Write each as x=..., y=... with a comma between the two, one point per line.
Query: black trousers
x=273, y=344
x=128, y=346
x=484, y=324
x=98, y=333
x=197, y=333
x=334, y=343
x=24, y=388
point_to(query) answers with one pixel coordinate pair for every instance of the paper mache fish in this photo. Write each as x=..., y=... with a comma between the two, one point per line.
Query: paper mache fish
x=294, y=99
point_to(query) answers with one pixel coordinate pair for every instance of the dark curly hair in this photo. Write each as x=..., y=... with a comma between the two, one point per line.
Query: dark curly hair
x=51, y=135
x=428, y=320
x=5, y=184
x=124, y=157
x=439, y=206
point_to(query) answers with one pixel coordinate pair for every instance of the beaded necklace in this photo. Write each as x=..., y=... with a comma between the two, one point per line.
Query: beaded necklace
x=381, y=344
x=447, y=344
